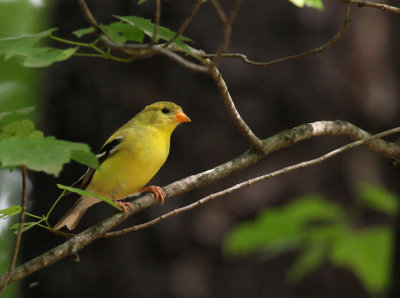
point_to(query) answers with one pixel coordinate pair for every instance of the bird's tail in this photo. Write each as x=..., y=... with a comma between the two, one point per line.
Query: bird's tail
x=74, y=215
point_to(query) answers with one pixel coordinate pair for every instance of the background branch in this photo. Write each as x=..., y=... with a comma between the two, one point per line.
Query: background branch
x=185, y=23
x=317, y=50
x=156, y=23
x=227, y=28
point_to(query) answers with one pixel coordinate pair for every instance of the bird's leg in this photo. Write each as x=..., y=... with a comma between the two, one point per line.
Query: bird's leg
x=123, y=205
x=156, y=191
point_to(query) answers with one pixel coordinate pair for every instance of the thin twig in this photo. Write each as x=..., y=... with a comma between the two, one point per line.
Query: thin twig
x=226, y=97
x=143, y=51
x=89, y=17
x=19, y=232
x=186, y=23
x=362, y=3
x=250, y=182
x=228, y=31
x=220, y=10
x=156, y=23
x=324, y=47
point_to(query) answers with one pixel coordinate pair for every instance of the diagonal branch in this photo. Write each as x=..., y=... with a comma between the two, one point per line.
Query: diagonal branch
x=89, y=17
x=230, y=105
x=284, y=139
x=220, y=11
x=249, y=182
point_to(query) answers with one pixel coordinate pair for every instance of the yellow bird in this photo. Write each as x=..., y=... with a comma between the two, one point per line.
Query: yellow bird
x=129, y=159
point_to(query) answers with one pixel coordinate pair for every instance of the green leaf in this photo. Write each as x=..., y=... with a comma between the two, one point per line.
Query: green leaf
x=86, y=158
x=309, y=260
x=46, y=56
x=10, y=211
x=24, y=46
x=79, y=33
x=121, y=32
x=39, y=153
x=162, y=32
x=117, y=31
x=19, y=112
x=86, y=193
x=281, y=228
x=317, y=4
x=379, y=198
x=368, y=254
x=25, y=226
x=22, y=128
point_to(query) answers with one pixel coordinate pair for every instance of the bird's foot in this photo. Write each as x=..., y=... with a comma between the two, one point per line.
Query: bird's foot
x=123, y=205
x=156, y=191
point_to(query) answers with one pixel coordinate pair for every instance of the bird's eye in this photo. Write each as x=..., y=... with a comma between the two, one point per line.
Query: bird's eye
x=165, y=110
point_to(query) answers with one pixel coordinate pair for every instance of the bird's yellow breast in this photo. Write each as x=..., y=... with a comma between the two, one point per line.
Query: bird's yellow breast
x=139, y=157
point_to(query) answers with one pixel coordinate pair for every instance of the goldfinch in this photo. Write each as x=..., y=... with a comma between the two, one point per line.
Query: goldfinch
x=129, y=159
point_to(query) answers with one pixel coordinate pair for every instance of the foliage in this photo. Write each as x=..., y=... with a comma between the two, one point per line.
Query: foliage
x=24, y=46
x=128, y=29
x=317, y=4
x=22, y=145
x=322, y=230
x=86, y=193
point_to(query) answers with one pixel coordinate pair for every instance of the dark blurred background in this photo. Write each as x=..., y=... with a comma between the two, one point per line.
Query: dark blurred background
x=86, y=99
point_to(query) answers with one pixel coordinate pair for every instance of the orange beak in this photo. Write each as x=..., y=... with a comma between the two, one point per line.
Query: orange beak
x=181, y=117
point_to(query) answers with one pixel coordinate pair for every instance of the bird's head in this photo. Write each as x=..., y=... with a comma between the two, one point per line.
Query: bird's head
x=163, y=113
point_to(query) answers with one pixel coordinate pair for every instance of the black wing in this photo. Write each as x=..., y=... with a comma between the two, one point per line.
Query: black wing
x=105, y=151
x=108, y=149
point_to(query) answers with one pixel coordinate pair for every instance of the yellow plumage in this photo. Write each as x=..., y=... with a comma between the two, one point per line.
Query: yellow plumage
x=129, y=158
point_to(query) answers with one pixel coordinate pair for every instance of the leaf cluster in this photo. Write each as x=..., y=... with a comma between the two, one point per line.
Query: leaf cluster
x=322, y=231
x=23, y=145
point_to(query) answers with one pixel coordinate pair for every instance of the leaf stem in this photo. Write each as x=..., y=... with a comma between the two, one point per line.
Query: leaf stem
x=54, y=205
x=75, y=43
x=33, y=215
x=101, y=53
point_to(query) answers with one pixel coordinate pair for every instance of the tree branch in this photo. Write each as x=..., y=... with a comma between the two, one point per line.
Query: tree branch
x=221, y=13
x=227, y=29
x=226, y=97
x=362, y=3
x=185, y=23
x=249, y=182
x=284, y=139
x=89, y=17
x=156, y=23
x=140, y=51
